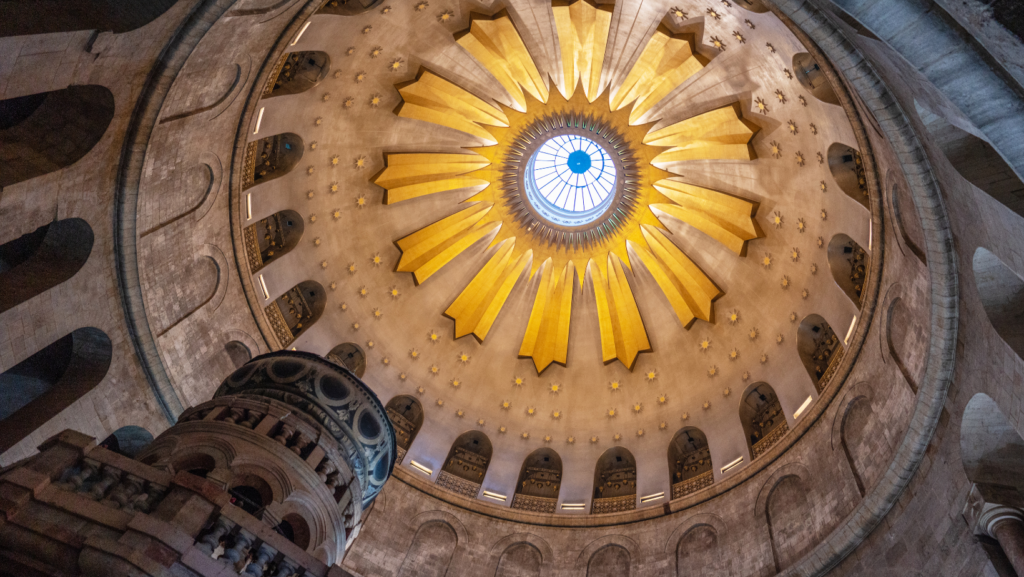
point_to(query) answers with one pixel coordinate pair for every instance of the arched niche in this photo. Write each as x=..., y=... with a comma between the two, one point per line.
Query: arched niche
x=299, y=72
x=294, y=528
x=466, y=465
x=614, y=482
x=856, y=445
x=755, y=6
x=762, y=418
x=540, y=479
x=908, y=222
x=991, y=448
x=906, y=337
x=847, y=168
x=697, y=552
x=273, y=237
x=251, y=493
x=786, y=511
x=41, y=386
x=350, y=356
x=430, y=552
x=23, y=18
x=519, y=560
x=819, y=348
x=271, y=157
x=811, y=77
x=349, y=7
x=609, y=561
x=406, y=414
x=42, y=259
x=128, y=441
x=238, y=352
x=1001, y=291
x=849, y=263
x=45, y=132
x=689, y=461
x=296, y=310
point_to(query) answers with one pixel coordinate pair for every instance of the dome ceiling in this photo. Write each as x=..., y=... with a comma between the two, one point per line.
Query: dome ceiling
x=619, y=326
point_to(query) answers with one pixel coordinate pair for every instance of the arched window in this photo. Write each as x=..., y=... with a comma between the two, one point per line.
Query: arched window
x=271, y=157
x=296, y=310
x=41, y=133
x=762, y=418
x=406, y=415
x=1002, y=295
x=40, y=260
x=539, y=481
x=48, y=16
x=466, y=465
x=272, y=237
x=820, y=349
x=813, y=79
x=689, y=460
x=847, y=168
x=614, y=482
x=349, y=7
x=128, y=441
x=350, y=356
x=849, y=264
x=299, y=72
x=38, y=388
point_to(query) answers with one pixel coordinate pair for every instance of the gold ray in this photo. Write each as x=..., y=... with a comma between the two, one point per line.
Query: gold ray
x=433, y=99
x=408, y=176
x=689, y=291
x=665, y=63
x=477, y=307
x=727, y=219
x=425, y=251
x=719, y=134
x=623, y=335
x=547, y=334
x=496, y=44
x=582, y=36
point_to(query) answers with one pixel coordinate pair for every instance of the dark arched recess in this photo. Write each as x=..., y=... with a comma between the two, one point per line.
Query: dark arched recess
x=24, y=17
x=42, y=259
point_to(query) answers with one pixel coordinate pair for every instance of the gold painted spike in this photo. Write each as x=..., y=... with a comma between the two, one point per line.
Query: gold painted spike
x=689, y=291
x=476, y=309
x=433, y=99
x=623, y=335
x=719, y=134
x=723, y=217
x=582, y=36
x=547, y=334
x=408, y=176
x=496, y=44
x=425, y=251
x=665, y=63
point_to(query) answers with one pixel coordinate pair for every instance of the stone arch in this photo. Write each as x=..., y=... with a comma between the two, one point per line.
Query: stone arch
x=610, y=561
x=519, y=560
x=592, y=552
x=716, y=522
x=689, y=462
x=406, y=414
x=348, y=7
x=349, y=356
x=811, y=77
x=614, y=481
x=49, y=16
x=238, y=352
x=849, y=264
x=819, y=348
x=697, y=551
x=275, y=483
x=45, y=132
x=42, y=259
x=906, y=340
x=503, y=545
x=786, y=495
x=466, y=465
x=292, y=313
x=762, y=418
x=129, y=441
x=271, y=157
x=540, y=479
x=1001, y=291
x=991, y=448
x=206, y=269
x=907, y=221
x=205, y=180
x=299, y=72
x=220, y=85
x=431, y=550
x=270, y=238
x=847, y=168
x=51, y=380
x=852, y=419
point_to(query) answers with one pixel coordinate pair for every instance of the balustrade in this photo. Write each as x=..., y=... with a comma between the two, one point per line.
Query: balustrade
x=613, y=504
x=693, y=484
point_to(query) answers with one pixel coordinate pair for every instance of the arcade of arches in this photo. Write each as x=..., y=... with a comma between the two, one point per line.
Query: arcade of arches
x=599, y=287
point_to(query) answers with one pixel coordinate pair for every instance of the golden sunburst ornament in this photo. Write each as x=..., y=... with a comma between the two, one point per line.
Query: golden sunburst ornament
x=562, y=244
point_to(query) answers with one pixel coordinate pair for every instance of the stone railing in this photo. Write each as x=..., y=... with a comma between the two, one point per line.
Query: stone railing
x=399, y=454
x=252, y=248
x=249, y=164
x=833, y=366
x=276, y=319
x=693, y=484
x=613, y=504
x=458, y=485
x=533, y=504
x=761, y=447
x=274, y=73
x=115, y=481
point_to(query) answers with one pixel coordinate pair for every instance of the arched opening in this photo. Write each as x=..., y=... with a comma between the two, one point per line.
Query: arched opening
x=466, y=465
x=271, y=157
x=272, y=237
x=349, y=7
x=847, y=168
x=238, y=353
x=296, y=310
x=849, y=264
x=519, y=560
x=40, y=260
x=813, y=79
x=350, y=356
x=294, y=528
x=406, y=414
x=752, y=5
x=609, y=561
x=762, y=418
x=689, y=460
x=299, y=72
x=1001, y=291
x=251, y=493
x=614, y=482
x=991, y=448
x=41, y=386
x=198, y=464
x=908, y=222
x=41, y=133
x=22, y=18
x=430, y=552
x=128, y=441
x=820, y=349
x=697, y=552
x=539, y=481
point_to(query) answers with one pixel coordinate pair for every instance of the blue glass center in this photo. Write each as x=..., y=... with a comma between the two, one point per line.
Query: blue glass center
x=579, y=162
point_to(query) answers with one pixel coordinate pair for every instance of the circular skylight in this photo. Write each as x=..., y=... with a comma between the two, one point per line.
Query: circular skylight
x=570, y=180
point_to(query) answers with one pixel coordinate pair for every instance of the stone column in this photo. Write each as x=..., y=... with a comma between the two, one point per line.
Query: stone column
x=1000, y=522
